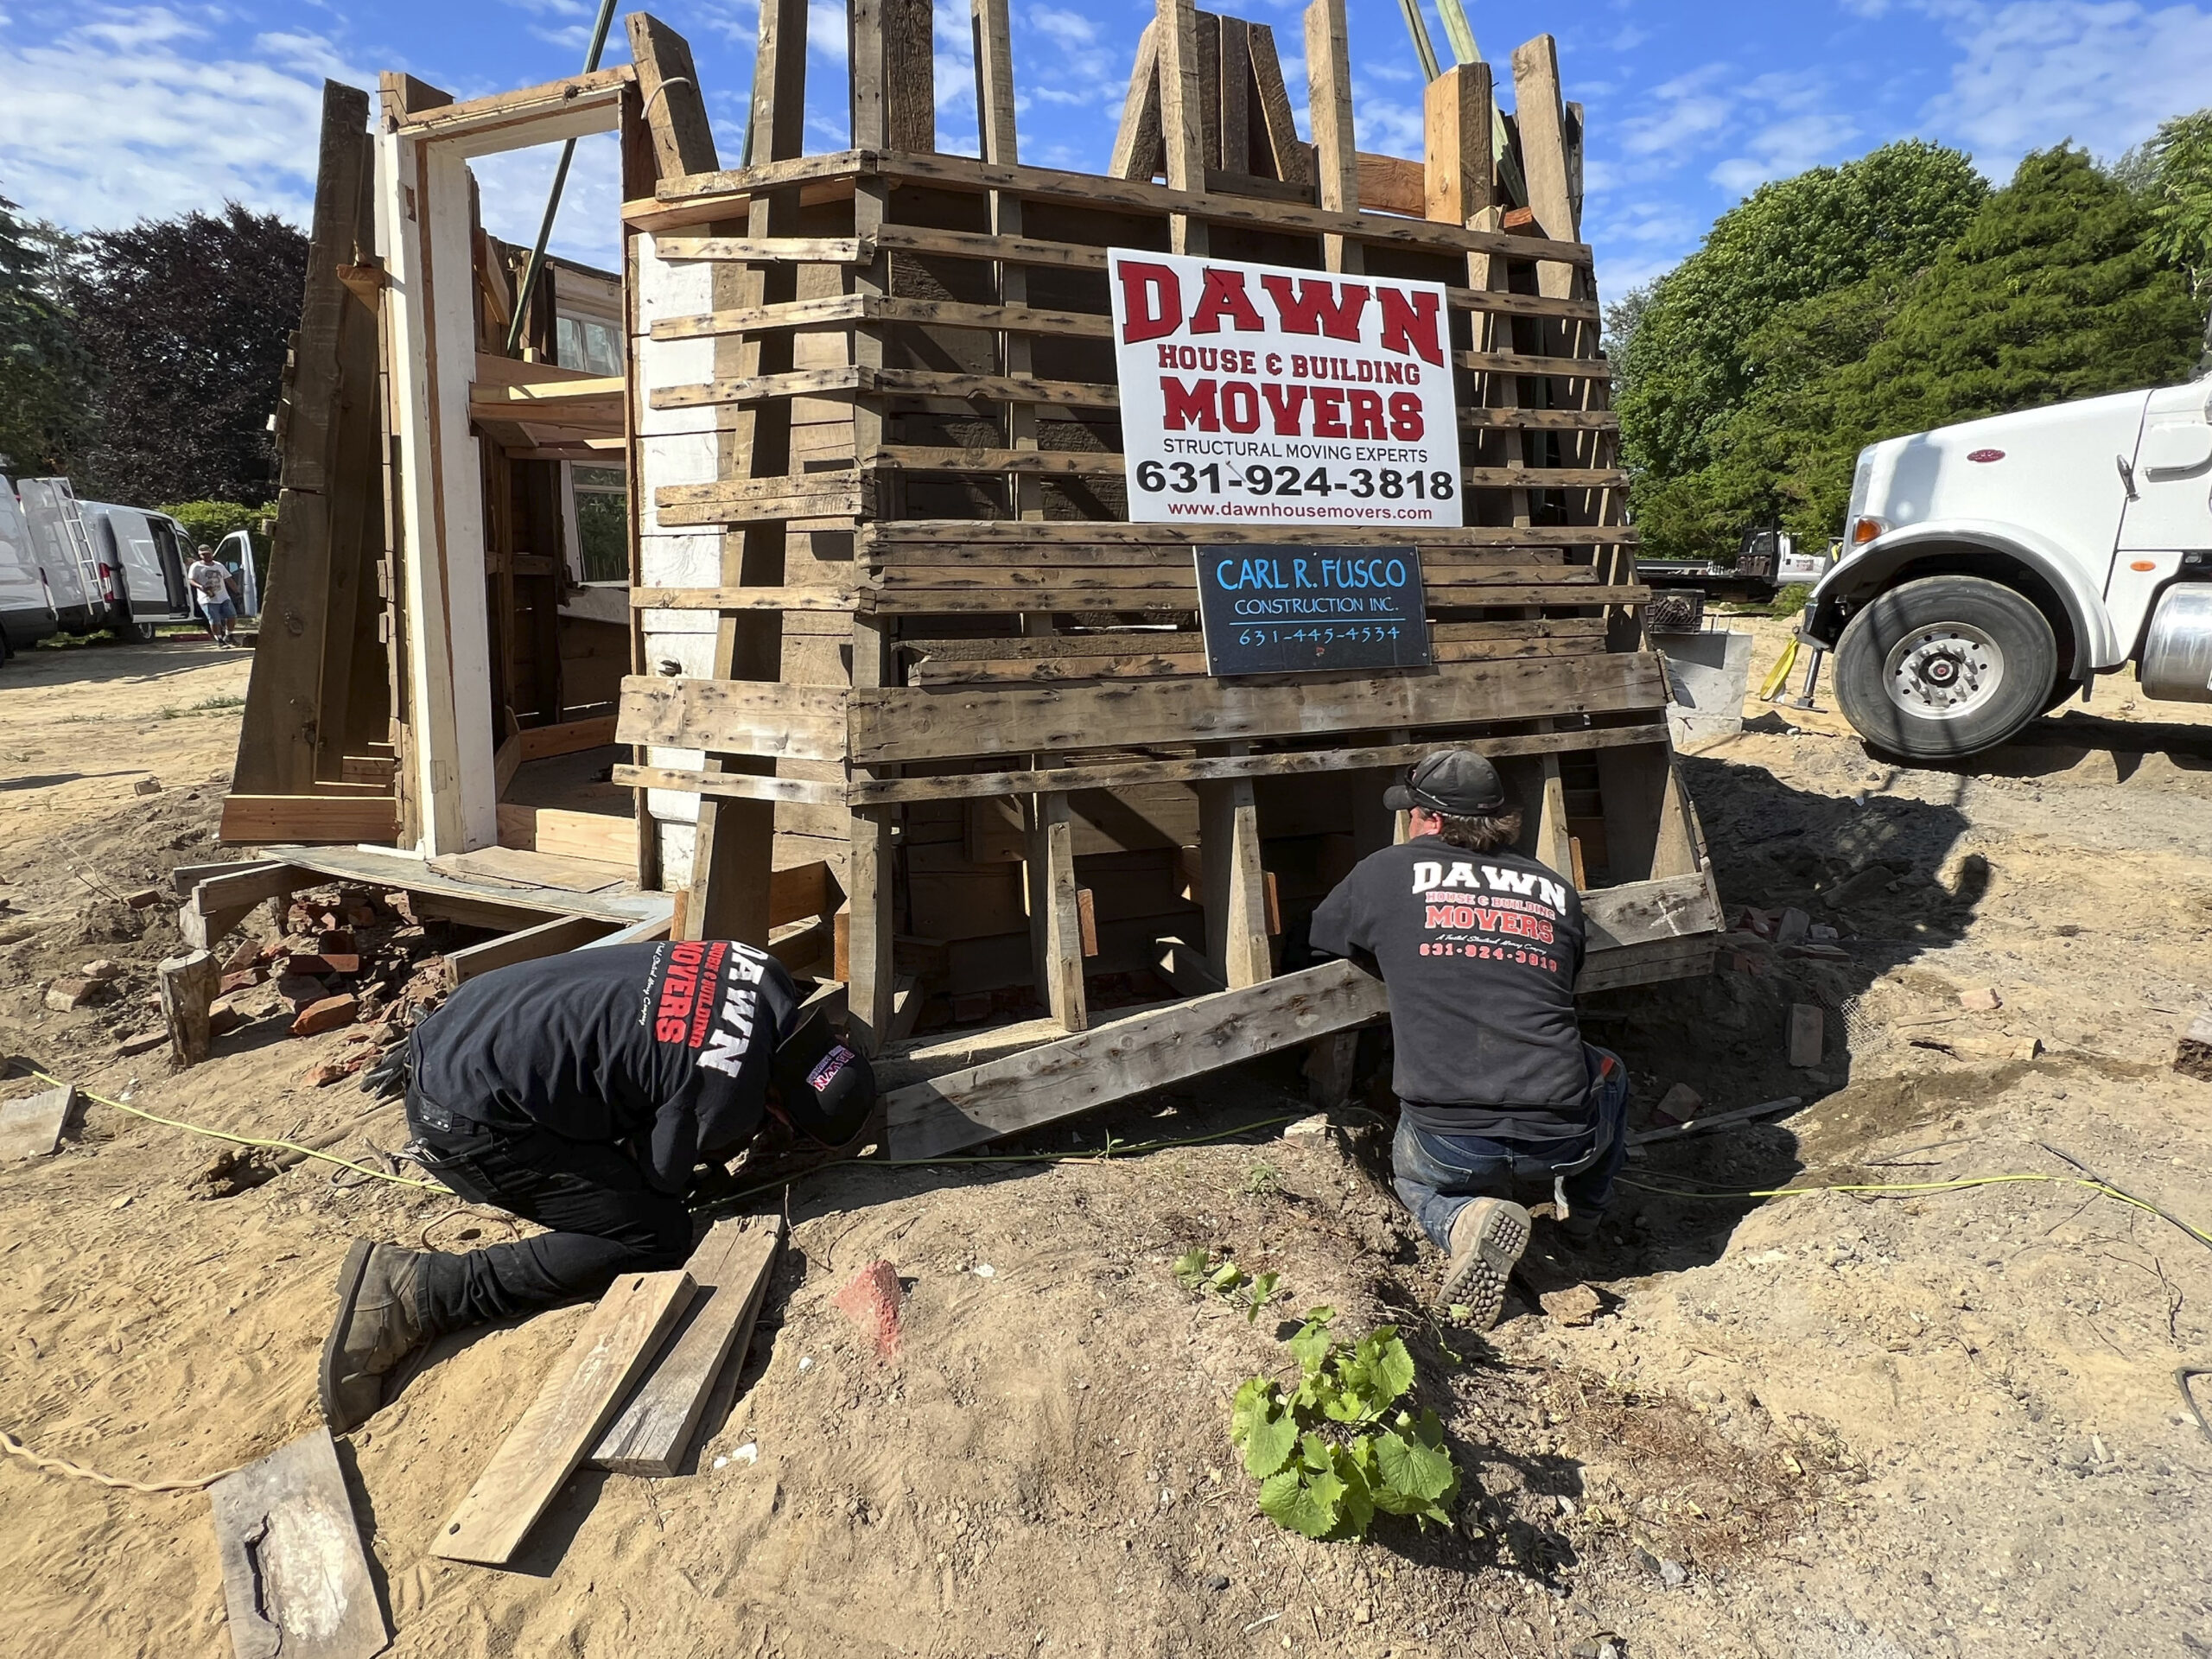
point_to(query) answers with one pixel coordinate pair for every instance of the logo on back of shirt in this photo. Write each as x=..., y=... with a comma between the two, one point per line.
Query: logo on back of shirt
x=1430, y=873
x=697, y=1011
x=1484, y=916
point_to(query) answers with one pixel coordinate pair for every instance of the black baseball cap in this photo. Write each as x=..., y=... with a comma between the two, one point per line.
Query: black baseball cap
x=1458, y=783
x=827, y=1091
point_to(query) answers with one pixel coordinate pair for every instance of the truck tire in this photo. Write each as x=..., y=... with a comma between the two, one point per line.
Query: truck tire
x=130, y=629
x=1945, y=666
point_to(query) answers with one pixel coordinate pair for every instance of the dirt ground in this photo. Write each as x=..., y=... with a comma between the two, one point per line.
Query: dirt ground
x=1911, y=1422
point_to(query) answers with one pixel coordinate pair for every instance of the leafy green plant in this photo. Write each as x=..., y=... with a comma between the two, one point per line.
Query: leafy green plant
x=1332, y=1454
x=1198, y=1273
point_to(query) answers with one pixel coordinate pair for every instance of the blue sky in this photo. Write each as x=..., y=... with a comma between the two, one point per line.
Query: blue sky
x=109, y=113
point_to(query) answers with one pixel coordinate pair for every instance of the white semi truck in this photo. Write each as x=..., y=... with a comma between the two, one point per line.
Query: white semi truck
x=1993, y=569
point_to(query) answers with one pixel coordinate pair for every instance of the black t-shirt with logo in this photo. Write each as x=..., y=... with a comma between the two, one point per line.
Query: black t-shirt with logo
x=666, y=1047
x=1480, y=951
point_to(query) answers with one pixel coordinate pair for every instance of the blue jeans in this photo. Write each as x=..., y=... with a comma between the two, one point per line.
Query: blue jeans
x=1438, y=1175
x=218, y=612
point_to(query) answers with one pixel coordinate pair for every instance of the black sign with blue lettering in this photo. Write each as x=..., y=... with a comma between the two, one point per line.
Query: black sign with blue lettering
x=1302, y=610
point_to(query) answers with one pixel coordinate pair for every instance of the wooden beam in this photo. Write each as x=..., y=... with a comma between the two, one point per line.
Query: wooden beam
x=1458, y=175
x=1182, y=120
x=1119, y=774
x=903, y=725
x=218, y=903
x=1056, y=923
x=732, y=1267
x=570, y=737
x=1126, y=1057
x=565, y=1419
x=188, y=984
x=755, y=717
x=552, y=938
x=1291, y=163
x=574, y=107
x=674, y=105
x=250, y=820
x=1235, y=885
x=1328, y=80
x=1390, y=184
x=295, y=1579
x=1137, y=152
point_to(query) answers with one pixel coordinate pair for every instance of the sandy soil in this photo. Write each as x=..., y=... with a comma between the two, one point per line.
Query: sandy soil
x=1911, y=1423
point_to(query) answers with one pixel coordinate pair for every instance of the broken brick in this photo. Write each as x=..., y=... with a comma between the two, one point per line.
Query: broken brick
x=144, y=899
x=299, y=991
x=64, y=995
x=246, y=956
x=326, y=1015
x=1982, y=999
x=873, y=1302
x=330, y=1071
x=225, y=1018
x=315, y=967
x=240, y=980
x=144, y=1043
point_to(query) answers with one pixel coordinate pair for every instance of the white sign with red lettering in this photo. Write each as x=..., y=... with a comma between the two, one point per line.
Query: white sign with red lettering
x=1254, y=394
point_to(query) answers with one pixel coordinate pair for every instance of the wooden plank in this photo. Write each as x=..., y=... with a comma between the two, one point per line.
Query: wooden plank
x=552, y=938
x=1551, y=420
x=922, y=602
x=596, y=837
x=1137, y=152
x=1292, y=165
x=732, y=1267
x=295, y=1579
x=990, y=670
x=741, y=786
x=570, y=737
x=1458, y=174
x=1336, y=157
x=766, y=250
x=219, y=903
x=1182, y=124
x=897, y=725
x=1127, y=1057
x=741, y=599
x=1005, y=532
x=250, y=820
x=1234, y=884
x=1391, y=184
x=670, y=96
x=803, y=891
x=1545, y=478
x=1640, y=912
x=1565, y=368
x=1049, y=869
x=574, y=107
x=879, y=308
x=564, y=1421
x=754, y=717
x=33, y=1128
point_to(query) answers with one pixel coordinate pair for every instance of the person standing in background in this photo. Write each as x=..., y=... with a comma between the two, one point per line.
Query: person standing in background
x=211, y=588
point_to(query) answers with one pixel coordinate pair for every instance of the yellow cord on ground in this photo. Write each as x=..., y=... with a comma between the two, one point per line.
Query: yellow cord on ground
x=16, y=1448
x=1958, y=1185
x=241, y=1139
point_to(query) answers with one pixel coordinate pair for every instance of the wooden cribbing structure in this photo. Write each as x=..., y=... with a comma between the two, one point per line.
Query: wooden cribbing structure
x=878, y=436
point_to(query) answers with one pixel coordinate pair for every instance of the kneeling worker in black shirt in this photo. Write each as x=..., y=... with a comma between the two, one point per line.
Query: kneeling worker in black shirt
x=1480, y=946
x=583, y=1092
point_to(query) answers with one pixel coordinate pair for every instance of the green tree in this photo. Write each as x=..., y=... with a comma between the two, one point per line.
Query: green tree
x=188, y=320
x=47, y=404
x=1682, y=354
x=2053, y=292
x=2179, y=198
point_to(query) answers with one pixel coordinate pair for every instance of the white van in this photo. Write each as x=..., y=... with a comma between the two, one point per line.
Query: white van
x=150, y=550
x=81, y=589
x=26, y=609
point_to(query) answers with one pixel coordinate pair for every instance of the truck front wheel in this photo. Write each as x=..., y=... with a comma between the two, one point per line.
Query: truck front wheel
x=1945, y=666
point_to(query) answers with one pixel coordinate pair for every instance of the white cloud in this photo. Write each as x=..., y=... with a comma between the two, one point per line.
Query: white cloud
x=1783, y=147
x=132, y=114
x=1683, y=112
x=588, y=229
x=2103, y=72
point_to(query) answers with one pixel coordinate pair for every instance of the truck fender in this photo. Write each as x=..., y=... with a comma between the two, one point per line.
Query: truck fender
x=1865, y=571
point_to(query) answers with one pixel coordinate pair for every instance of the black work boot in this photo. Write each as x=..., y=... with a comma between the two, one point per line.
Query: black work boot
x=380, y=1320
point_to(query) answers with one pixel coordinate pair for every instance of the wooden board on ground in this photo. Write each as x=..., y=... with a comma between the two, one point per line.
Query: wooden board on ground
x=566, y=1419
x=296, y=1582
x=731, y=1268
x=1112, y=1061
x=33, y=1128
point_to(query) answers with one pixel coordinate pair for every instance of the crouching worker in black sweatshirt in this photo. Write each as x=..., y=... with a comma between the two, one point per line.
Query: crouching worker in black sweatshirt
x=583, y=1092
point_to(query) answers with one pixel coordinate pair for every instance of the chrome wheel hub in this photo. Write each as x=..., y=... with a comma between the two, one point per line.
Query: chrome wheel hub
x=1942, y=671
